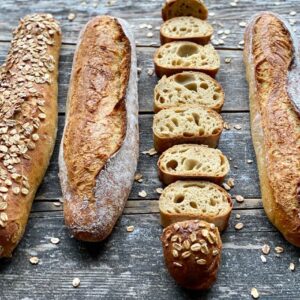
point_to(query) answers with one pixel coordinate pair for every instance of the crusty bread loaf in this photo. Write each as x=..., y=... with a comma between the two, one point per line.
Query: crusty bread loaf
x=188, y=88
x=272, y=62
x=28, y=96
x=186, y=29
x=175, y=57
x=99, y=150
x=192, y=252
x=177, y=8
x=186, y=125
x=190, y=161
x=189, y=200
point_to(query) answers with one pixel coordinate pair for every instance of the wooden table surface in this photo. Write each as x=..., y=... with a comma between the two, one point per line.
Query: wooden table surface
x=130, y=265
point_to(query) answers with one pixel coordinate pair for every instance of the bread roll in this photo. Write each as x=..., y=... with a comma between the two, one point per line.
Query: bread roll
x=28, y=97
x=192, y=252
x=99, y=150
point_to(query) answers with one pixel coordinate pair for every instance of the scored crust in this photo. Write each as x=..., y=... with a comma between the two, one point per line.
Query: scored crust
x=28, y=93
x=190, y=161
x=186, y=125
x=188, y=88
x=188, y=200
x=270, y=57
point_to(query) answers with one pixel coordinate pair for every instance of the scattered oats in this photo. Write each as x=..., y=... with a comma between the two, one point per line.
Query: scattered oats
x=157, y=28
x=8, y=182
x=279, y=249
x=3, y=217
x=3, y=189
x=220, y=31
x=150, y=71
x=263, y=258
x=238, y=216
x=226, y=126
x=76, y=282
x=239, y=198
x=254, y=293
x=293, y=13
x=292, y=22
x=142, y=194
x=211, y=14
x=249, y=161
x=177, y=264
x=239, y=226
x=233, y=4
x=241, y=43
x=215, y=42
x=35, y=137
x=243, y=24
x=150, y=152
x=57, y=204
x=150, y=34
x=221, y=42
x=142, y=26
x=24, y=191
x=265, y=249
x=16, y=190
x=54, y=240
x=230, y=182
x=226, y=186
x=34, y=260
x=235, y=166
x=71, y=16
x=159, y=190
x=228, y=60
x=3, y=205
x=139, y=70
x=130, y=228
x=138, y=177
x=201, y=262
x=292, y=267
x=237, y=127
x=227, y=31
x=42, y=116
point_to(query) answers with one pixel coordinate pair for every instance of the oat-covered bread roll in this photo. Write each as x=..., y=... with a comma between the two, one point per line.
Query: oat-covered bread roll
x=28, y=113
x=192, y=252
x=190, y=200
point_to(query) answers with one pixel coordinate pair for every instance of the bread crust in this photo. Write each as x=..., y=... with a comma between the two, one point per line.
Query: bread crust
x=162, y=143
x=28, y=92
x=270, y=56
x=99, y=152
x=221, y=221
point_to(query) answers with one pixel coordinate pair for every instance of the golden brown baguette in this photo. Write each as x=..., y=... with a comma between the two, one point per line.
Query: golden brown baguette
x=186, y=29
x=177, y=8
x=272, y=61
x=189, y=161
x=28, y=97
x=99, y=151
x=186, y=125
x=176, y=57
x=195, y=200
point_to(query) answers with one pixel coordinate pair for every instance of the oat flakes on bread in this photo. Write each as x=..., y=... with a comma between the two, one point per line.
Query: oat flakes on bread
x=176, y=57
x=186, y=29
x=192, y=252
x=28, y=93
x=186, y=125
x=188, y=88
x=177, y=8
x=271, y=57
x=189, y=200
x=189, y=161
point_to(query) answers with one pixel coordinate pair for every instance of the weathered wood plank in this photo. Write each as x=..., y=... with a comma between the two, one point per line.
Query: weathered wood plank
x=137, y=13
x=231, y=77
x=130, y=265
x=236, y=144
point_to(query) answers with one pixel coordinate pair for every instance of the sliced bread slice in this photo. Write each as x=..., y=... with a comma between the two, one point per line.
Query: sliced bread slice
x=176, y=57
x=190, y=161
x=186, y=125
x=186, y=29
x=188, y=88
x=190, y=200
x=177, y=8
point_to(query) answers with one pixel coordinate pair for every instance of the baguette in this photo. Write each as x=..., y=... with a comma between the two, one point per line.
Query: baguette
x=189, y=200
x=186, y=29
x=190, y=161
x=99, y=152
x=177, y=8
x=188, y=88
x=28, y=96
x=185, y=125
x=272, y=62
x=176, y=57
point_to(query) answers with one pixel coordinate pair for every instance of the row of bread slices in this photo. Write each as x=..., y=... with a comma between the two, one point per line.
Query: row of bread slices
x=186, y=128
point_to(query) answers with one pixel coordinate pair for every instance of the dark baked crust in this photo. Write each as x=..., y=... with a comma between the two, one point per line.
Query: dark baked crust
x=28, y=92
x=269, y=56
x=192, y=252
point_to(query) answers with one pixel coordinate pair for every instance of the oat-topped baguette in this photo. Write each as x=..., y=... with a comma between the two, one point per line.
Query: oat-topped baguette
x=186, y=125
x=272, y=62
x=177, y=8
x=189, y=200
x=28, y=113
x=175, y=57
x=186, y=29
x=99, y=151
x=188, y=88
x=190, y=161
